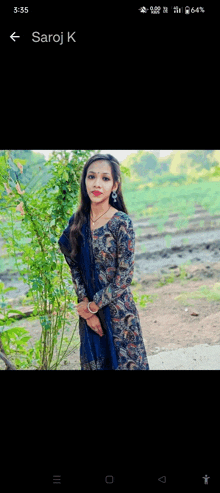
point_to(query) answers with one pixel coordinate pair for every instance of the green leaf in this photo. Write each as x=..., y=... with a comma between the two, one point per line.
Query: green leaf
x=16, y=330
x=24, y=339
x=7, y=289
x=15, y=311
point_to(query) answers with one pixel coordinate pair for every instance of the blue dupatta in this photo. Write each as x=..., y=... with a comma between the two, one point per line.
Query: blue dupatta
x=96, y=353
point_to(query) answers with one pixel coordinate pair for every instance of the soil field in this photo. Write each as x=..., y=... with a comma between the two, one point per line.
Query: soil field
x=181, y=314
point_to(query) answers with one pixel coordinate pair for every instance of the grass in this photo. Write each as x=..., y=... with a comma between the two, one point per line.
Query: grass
x=144, y=299
x=172, y=199
x=203, y=292
x=167, y=279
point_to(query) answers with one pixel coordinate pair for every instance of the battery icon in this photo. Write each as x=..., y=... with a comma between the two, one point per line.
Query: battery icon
x=187, y=10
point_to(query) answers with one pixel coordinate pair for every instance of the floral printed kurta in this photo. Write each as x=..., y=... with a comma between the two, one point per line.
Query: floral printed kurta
x=113, y=248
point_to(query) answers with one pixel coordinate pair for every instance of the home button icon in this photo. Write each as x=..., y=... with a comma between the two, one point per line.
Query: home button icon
x=109, y=479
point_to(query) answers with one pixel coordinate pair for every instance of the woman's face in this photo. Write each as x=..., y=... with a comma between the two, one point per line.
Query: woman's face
x=99, y=177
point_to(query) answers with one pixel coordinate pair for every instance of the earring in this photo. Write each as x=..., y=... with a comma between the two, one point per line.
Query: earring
x=114, y=196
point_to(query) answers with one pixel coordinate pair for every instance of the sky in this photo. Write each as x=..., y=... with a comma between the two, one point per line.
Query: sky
x=118, y=154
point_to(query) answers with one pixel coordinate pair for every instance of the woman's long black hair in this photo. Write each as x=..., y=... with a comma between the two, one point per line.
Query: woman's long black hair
x=83, y=210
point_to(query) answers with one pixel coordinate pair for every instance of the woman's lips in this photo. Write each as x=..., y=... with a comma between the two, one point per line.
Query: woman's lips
x=97, y=193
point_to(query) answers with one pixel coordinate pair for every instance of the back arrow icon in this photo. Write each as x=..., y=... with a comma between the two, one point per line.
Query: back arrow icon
x=162, y=479
x=13, y=36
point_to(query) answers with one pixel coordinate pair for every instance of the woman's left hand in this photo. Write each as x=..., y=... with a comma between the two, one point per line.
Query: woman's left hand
x=83, y=310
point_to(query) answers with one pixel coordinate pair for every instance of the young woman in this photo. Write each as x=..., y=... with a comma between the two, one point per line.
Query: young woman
x=98, y=245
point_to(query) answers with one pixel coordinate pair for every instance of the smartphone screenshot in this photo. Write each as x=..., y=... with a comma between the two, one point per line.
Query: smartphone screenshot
x=138, y=289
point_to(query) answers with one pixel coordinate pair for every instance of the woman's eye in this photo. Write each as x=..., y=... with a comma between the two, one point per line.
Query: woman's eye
x=91, y=176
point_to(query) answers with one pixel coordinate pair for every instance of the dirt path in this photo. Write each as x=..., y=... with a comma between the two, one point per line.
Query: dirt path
x=168, y=323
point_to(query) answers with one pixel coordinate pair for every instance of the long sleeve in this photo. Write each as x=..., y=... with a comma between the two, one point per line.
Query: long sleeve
x=125, y=268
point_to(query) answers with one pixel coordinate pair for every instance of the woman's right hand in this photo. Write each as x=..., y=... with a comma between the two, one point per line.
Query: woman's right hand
x=94, y=323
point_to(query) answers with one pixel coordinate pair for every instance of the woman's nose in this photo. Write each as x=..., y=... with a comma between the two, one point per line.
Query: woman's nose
x=97, y=181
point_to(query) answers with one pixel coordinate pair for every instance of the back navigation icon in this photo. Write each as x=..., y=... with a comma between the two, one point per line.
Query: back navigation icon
x=162, y=479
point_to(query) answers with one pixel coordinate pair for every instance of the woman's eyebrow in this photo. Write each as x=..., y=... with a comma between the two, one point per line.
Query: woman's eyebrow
x=98, y=173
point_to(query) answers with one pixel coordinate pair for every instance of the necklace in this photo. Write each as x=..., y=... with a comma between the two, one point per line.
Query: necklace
x=99, y=216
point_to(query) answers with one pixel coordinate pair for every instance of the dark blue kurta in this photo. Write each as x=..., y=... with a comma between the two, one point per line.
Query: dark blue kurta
x=113, y=249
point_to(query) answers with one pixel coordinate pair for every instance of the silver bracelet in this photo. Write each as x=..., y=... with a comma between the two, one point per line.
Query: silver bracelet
x=89, y=308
